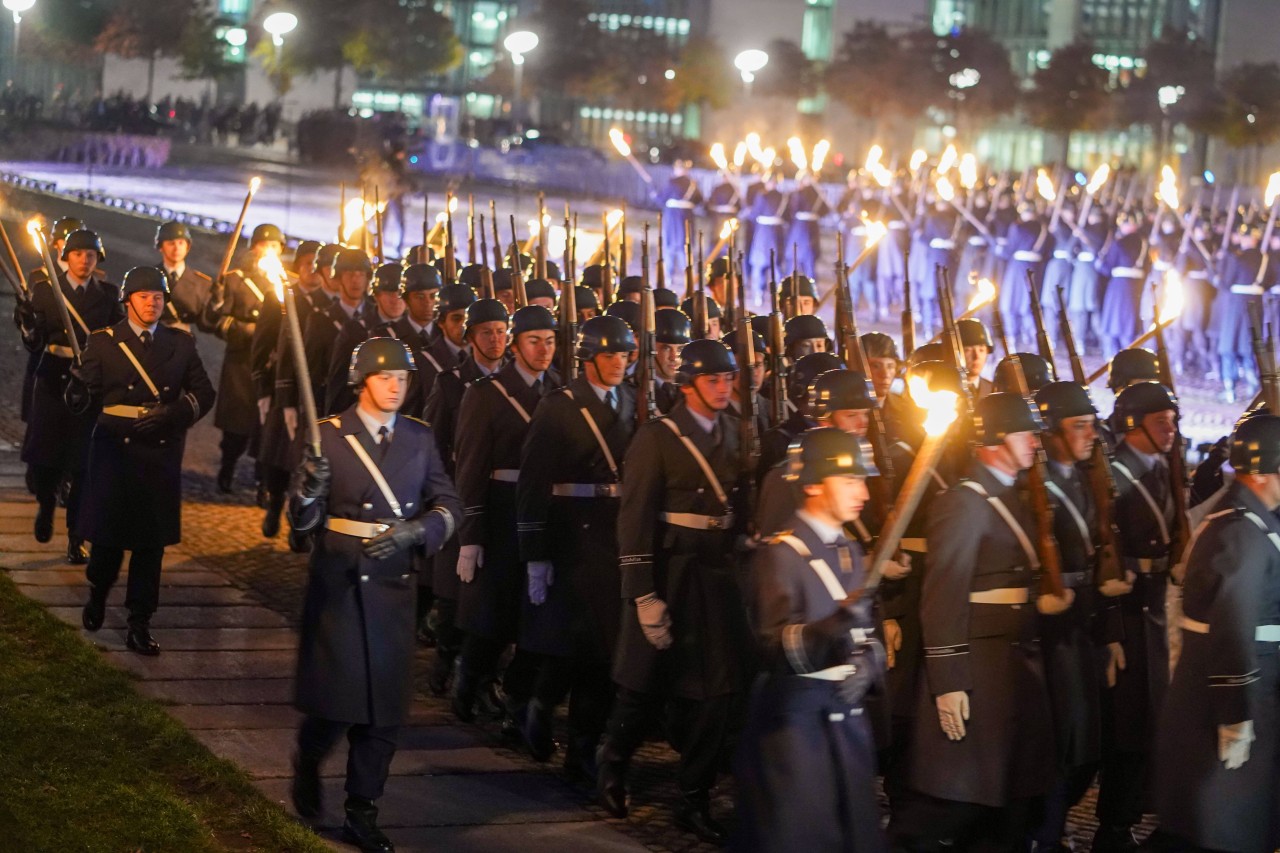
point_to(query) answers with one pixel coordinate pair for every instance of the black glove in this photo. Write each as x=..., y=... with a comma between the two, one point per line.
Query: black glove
x=76, y=395
x=25, y=315
x=868, y=663
x=165, y=417
x=315, y=474
x=217, y=294
x=400, y=536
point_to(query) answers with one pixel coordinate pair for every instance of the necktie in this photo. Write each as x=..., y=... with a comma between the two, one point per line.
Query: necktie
x=384, y=441
x=611, y=398
x=146, y=340
x=841, y=544
x=716, y=435
x=537, y=387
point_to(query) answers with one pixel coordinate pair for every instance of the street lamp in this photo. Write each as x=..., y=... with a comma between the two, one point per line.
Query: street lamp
x=17, y=7
x=518, y=44
x=279, y=25
x=749, y=63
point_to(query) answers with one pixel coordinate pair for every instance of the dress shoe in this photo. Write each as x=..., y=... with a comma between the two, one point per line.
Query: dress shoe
x=77, y=553
x=95, y=610
x=44, y=522
x=226, y=479
x=611, y=781
x=694, y=815
x=299, y=543
x=261, y=497
x=271, y=523
x=139, y=640
x=306, y=791
x=361, y=828
x=536, y=731
x=1113, y=839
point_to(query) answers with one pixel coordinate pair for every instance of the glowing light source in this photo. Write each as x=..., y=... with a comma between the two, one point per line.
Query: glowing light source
x=985, y=294
x=939, y=406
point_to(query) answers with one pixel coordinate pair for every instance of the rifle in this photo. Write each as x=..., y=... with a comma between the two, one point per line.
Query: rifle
x=377, y=219
x=622, y=243
x=1179, y=535
x=569, y=307
x=517, y=273
x=450, y=253
x=486, y=274
x=606, y=274
x=571, y=275
x=688, y=264
x=1102, y=484
x=749, y=438
x=699, y=303
x=777, y=358
x=908, y=315
x=646, y=385
x=471, y=229
x=1232, y=209
x=59, y=298
x=662, y=259
x=1037, y=312
x=1264, y=351
x=566, y=274
x=342, y=212
x=730, y=308
x=21, y=288
x=540, y=256
x=498, y=259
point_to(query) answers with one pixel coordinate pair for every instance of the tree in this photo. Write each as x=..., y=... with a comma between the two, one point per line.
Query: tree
x=574, y=55
x=881, y=77
x=203, y=54
x=1069, y=94
x=403, y=40
x=1249, y=111
x=65, y=29
x=1176, y=86
x=146, y=29
x=790, y=73
x=975, y=77
x=702, y=76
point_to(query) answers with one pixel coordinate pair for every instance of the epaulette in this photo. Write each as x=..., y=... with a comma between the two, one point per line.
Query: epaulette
x=415, y=420
x=776, y=539
x=335, y=420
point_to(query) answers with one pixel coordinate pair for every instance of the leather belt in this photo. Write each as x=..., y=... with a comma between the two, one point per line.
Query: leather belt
x=1153, y=565
x=941, y=243
x=1247, y=289
x=1127, y=272
x=1086, y=257
x=1008, y=595
x=920, y=545
x=506, y=475
x=770, y=220
x=699, y=522
x=587, y=490
x=60, y=351
x=359, y=529
x=1027, y=257
x=680, y=204
x=831, y=673
x=805, y=216
x=131, y=412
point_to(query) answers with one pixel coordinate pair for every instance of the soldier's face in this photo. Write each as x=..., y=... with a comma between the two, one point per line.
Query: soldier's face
x=384, y=391
x=535, y=350
x=883, y=372
x=667, y=359
x=609, y=368
x=632, y=297
x=975, y=358
x=453, y=324
x=806, y=305
x=390, y=304
x=508, y=298
x=713, y=328
x=490, y=339
x=1078, y=435
x=1021, y=447
x=1162, y=427
x=757, y=372
x=146, y=307
x=82, y=262
x=546, y=302
x=354, y=285
x=174, y=252
x=585, y=314
x=843, y=497
x=808, y=346
x=422, y=305
x=715, y=390
x=852, y=421
x=305, y=267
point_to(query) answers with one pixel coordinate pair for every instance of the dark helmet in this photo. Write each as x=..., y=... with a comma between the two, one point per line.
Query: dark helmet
x=928, y=352
x=631, y=284
x=584, y=298
x=485, y=311
x=419, y=277
x=826, y=452
x=665, y=297
x=973, y=333
x=804, y=283
x=1139, y=400
x=733, y=341
x=806, y=370
x=539, y=288
x=1060, y=400
x=63, y=226
x=1132, y=365
x=526, y=261
x=386, y=279
x=1034, y=368
x=803, y=328
x=531, y=318
x=840, y=389
x=938, y=376
x=604, y=334
x=454, y=297
x=553, y=271
x=880, y=345
x=704, y=357
x=503, y=279
x=83, y=239
x=376, y=355
x=593, y=276
x=411, y=256
x=470, y=275
x=306, y=247
x=762, y=325
x=265, y=233
x=713, y=307
x=999, y=414
x=352, y=260
x=327, y=255
x=144, y=279
x=720, y=268
x=167, y=231
x=628, y=311
x=1255, y=445
x=671, y=326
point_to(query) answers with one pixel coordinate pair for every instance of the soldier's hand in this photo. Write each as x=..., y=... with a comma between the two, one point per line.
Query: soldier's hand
x=655, y=621
x=470, y=558
x=217, y=294
x=541, y=575
x=1234, y=744
x=853, y=689
x=400, y=536
x=899, y=567
x=291, y=421
x=25, y=315
x=76, y=395
x=162, y=417
x=892, y=641
x=953, y=712
x=315, y=477
x=1115, y=662
x=264, y=405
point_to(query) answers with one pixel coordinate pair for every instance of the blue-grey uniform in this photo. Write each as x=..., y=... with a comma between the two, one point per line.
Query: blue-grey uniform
x=938, y=238
x=769, y=215
x=863, y=285
x=1026, y=244
x=721, y=205
x=805, y=207
x=679, y=199
x=1124, y=265
x=1241, y=280
x=1082, y=289
x=1058, y=269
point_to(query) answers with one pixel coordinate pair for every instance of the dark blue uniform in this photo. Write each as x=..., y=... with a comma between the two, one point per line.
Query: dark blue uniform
x=1124, y=265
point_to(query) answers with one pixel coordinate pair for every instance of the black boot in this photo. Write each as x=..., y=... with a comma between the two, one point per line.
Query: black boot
x=306, y=791
x=1113, y=838
x=271, y=521
x=611, y=777
x=693, y=814
x=44, y=521
x=226, y=478
x=77, y=553
x=95, y=610
x=361, y=827
x=464, y=694
x=262, y=497
x=139, y=640
x=536, y=730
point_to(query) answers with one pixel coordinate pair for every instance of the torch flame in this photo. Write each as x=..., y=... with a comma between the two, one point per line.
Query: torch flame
x=1168, y=189
x=768, y=157
x=819, y=156
x=33, y=228
x=739, y=155
x=1172, y=297
x=717, y=157
x=798, y=158
x=728, y=228
x=873, y=158
x=948, y=160
x=254, y=184
x=619, y=142
x=945, y=190
x=613, y=218
x=1044, y=184
x=1099, y=179
x=917, y=158
x=985, y=294
x=753, y=146
x=1273, y=188
x=939, y=406
x=882, y=176
x=270, y=266
x=968, y=171
x=357, y=213
x=875, y=231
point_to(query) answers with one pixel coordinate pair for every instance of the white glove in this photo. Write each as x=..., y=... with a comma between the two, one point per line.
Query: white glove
x=291, y=421
x=953, y=711
x=892, y=640
x=470, y=558
x=1233, y=744
x=541, y=575
x=264, y=403
x=1115, y=662
x=655, y=621
x=899, y=567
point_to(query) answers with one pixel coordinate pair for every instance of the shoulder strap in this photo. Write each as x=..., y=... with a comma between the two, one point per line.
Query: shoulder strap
x=595, y=430
x=1074, y=511
x=372, y=468
x=431, y=358
x=819, y=566
x=1262, y=525
x=515, y=404
x=137, y=365
x=249, y=283
x=1146, y=496
x=1003, y=511
x=700, y=459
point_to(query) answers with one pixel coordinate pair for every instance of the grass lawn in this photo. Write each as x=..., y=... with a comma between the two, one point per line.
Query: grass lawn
x=88, y=764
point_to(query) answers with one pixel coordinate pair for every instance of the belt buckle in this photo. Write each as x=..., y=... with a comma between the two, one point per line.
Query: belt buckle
x=715, y=523
x=379, y=528
x=143, y=411
x=604, y=490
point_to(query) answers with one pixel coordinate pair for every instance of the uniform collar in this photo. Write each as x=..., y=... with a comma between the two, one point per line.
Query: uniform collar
x=372, y=424
x=824, y=531
x=1006, y=480
x=138, y=330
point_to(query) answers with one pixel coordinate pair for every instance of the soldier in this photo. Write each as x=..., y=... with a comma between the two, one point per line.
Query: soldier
x=1244, y=277
x=58, y=233
x=976, y=341
x=805, y=334
x=416, y=327
x=56, y=443
x=151, y=386
x=376, y=491
x=568, y=499
x=1082, y=290
x=351, y=271
x=774, y=443
x=1026, y=243
x=684, y=634
x=713, y=316
x=1146, y=417
x=883, y=361
x=1035, y=370
x=232, y=312
x=540, y=292
x=450, y=349
x=768, y=215
x=679, y=199
x=938, y=236
x=758, y=350
x=671, y=334
x=1123, y=262
x=983, y=742
x=492, y=421
x=630, y=288
x=805, y=207
x=1218, y=762
x=820, y=659
x=800, y=291
x=189, y=288
x=377, y=316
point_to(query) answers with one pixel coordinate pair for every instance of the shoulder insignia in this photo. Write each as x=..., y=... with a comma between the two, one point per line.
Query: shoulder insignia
x=776, y=539
x=415, y=420
x=335, y=421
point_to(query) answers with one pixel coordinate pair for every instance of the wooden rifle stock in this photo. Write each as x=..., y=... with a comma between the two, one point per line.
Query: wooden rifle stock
x=1037, y=312
x=517, y=274
x=749, y=438
x=1264, y=351
x=908, y=315
x=777, y=346
x=646, y=385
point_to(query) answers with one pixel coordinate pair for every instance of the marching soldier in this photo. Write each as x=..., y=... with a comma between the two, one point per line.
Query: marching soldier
x=805, y=334
x=376, y=492
x=417, y=328
x=805, y=207
x=382, y=312
x=568, y=500
x=767, y=214
x=449, y=349
x=59, y=424
x=800, y=290
x=672, y=331
x=774, y=443
x=820, y=656
x=1123, y=261
x=351, y=272
x=976, y=341
x=679, y=199
x=152, y=386
x=758, y=368
x=684, y=634
x=58, y=233
x=189, y=288
x=1035, y=370
x=713, y=316
x=1218, y=760
x=1026, y=242
x=1245, y=276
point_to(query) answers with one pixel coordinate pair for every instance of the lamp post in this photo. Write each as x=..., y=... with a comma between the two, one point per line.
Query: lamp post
x=518, y=44
x=17, y=7
x=749, y=63
x=279, y=25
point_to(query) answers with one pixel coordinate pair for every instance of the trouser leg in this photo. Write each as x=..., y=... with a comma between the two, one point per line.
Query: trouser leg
x=705, y=726
x=369, y=759
x=103, y=570
x=143, y=594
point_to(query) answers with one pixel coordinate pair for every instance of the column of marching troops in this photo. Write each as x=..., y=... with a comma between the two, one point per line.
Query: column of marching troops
x=674, y=552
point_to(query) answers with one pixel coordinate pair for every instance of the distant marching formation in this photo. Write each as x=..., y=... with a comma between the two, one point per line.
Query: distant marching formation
x=812, y=555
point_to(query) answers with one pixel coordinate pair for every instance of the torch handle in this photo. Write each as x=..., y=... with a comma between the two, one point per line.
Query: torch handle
x=234, y=239
x=301, y=370
x=13, y=258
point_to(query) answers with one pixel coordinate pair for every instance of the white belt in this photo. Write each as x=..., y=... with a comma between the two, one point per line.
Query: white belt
x=680, y=204
x=506, y=475
x=61, y=351
x=920, y=546
x=724, y=208
x=1086, y=257
x=1262, y=634
x=860, y=231
x=1127, y=272
x=1202, y=275
x=942, y=243
x=1153, y=565
x=1161, y=265
x=1247, y=289
x=1008, y=595
x=1062, y=256
x=1027, y=256
x=359, y=529
x=770, y=220
x=831, y=673
x=897, y=225
x=699, y=522
x=131, y=412
x=587, y=490
x=805, y=216
x=977, y=240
